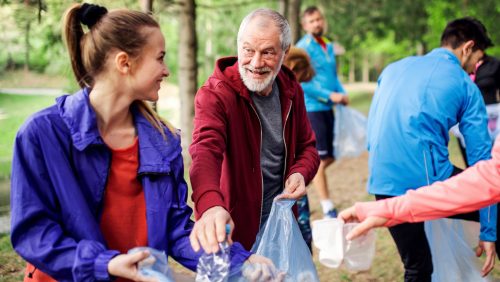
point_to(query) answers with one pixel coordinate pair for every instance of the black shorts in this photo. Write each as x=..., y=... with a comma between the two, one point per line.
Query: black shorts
x=322, y=125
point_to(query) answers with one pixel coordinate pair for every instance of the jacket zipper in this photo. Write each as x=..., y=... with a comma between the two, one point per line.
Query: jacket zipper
x=432, y=161
x=261, y=177
x=284, y=143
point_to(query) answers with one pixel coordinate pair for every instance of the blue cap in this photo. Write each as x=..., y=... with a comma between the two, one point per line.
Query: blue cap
x=228, y=228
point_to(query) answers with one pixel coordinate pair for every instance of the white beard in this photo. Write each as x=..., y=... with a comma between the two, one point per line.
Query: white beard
x=258, y=85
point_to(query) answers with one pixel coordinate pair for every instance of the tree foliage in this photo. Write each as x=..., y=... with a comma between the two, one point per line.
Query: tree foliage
x=381, y=30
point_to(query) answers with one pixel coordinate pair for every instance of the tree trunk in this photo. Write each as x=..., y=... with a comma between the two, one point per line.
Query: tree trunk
x=283, y=8
x=294, y=19
x=352, y=69
x=27, y=46
x=146, y=6
x=365, y=77
x=187, y=71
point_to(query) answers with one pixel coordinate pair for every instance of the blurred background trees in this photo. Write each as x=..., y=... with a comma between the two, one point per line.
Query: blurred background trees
x=370, y=34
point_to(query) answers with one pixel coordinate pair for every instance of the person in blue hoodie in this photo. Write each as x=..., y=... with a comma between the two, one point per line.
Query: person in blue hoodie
x=321, y=93
x=99, y=172
x=417, y=101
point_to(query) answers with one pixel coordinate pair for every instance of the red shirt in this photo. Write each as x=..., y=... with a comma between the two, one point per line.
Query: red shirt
x=321, y=42
x=123, y=221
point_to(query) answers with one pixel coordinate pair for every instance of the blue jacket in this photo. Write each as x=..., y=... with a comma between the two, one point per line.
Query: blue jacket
x=59, y=174
x=317, y=91
x=417, y=101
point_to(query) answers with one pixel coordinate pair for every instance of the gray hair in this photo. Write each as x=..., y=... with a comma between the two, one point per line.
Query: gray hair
x=277, y=18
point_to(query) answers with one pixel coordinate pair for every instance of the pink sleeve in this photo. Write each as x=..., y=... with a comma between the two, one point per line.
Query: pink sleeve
x=476, y=187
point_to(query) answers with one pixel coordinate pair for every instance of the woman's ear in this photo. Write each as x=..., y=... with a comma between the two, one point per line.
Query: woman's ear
x=122, y=62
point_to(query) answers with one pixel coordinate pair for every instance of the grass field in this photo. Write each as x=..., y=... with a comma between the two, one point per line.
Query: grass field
x=14, y=109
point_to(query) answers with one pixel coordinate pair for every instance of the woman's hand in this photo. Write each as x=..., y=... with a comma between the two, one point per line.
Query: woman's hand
x=125, y=266
x=349, y=215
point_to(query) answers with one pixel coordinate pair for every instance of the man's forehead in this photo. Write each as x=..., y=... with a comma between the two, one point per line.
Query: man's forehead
x=258, y=31
x=312, y=15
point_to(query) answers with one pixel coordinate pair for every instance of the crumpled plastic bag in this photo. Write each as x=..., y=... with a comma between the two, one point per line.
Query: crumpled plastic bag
x=281, y=241
x=349, y=139
x=214, y=267
x=451, y=242
x=156, y=265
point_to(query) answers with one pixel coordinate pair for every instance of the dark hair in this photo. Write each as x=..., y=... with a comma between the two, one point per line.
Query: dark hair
x=462, y=30
x=310, y=10
x=298, y=61
x=115, y=30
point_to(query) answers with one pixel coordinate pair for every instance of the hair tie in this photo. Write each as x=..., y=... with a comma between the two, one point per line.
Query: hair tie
x=90, y=14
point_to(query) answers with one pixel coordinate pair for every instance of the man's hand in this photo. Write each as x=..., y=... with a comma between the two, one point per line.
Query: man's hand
x=259, y=268
x=125, y=266
x=210, y=230
x=349, y=215
x=339, y=98
x=489, y=249
x=295, y=187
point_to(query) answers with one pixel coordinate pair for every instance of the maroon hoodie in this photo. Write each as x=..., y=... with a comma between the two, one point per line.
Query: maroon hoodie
x=225, y=169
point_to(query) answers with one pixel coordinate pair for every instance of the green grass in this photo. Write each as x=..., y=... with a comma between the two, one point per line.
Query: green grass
x=11, y=265
x=15, y=109
x=360, y=101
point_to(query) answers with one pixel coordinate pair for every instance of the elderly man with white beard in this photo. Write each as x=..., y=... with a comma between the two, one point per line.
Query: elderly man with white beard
x=252, y=140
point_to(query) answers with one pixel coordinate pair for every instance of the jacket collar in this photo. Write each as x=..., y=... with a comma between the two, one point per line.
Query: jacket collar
x=445, y=53
x=226, y=69
x=310, y=39
x=155, y=153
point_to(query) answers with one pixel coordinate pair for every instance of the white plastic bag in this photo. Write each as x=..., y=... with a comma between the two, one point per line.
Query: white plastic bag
x=451, y=242
x=349, y=132
x=335, y=251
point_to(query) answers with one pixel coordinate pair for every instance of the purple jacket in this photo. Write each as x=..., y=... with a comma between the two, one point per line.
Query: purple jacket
x=59, y=174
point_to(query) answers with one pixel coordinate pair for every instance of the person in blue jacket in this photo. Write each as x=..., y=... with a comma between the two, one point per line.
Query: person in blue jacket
x=417, y=101
x=99, y=172
x=320, y=94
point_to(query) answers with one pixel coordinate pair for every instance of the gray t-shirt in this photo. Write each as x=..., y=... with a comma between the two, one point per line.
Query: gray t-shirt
x=272, y=151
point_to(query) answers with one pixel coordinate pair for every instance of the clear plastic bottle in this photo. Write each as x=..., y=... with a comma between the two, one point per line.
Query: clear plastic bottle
x=214, y=267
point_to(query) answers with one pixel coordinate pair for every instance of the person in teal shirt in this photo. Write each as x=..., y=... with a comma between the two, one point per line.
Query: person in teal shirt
x=320, y=94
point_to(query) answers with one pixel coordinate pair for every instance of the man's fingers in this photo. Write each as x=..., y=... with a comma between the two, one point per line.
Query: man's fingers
x=202, y=239
x=220, y=227
x=479, y=251
x=211, y=237
x=194, y=240
x=488, y=264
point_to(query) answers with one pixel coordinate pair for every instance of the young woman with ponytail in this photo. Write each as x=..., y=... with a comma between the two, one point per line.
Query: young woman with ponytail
x=99, y=172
